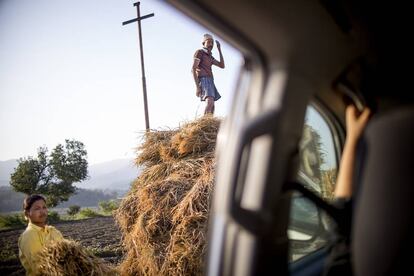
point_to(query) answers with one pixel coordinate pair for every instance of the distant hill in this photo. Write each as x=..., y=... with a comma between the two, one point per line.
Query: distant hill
x=6, y=168
x=111, y=175
x=11, y=201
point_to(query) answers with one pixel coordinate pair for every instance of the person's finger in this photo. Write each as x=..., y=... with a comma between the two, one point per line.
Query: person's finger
x=350, y=113
x=364, y=117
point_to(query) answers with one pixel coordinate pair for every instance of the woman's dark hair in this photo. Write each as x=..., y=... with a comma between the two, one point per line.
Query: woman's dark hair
x=29, y=200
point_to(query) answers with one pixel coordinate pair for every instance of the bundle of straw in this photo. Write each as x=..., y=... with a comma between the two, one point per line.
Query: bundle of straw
x=68, y=258
x=163, y=219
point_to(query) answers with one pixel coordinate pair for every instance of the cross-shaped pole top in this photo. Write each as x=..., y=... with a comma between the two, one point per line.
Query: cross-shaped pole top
x=144, y=85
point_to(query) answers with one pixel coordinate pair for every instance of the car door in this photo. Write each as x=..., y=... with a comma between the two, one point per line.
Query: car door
x=293, y=51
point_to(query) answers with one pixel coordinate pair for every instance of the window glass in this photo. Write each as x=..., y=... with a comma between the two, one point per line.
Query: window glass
x=308, y=227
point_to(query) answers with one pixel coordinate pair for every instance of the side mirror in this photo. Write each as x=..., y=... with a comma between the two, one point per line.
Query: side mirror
x=309, y=227
x=305, y=221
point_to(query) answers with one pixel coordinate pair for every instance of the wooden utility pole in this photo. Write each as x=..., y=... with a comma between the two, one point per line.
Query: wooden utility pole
x=144, y=84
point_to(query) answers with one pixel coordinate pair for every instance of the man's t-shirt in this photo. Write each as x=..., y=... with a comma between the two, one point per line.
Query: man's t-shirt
x=206, y=60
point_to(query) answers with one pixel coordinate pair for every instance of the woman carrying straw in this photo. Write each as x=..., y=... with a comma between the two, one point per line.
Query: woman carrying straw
x=37, y=233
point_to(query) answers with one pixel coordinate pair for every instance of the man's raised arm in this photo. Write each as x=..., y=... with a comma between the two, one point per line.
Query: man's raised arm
x=221, y=62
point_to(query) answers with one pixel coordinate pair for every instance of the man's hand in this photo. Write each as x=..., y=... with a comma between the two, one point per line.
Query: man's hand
x=198, y=91
x=221, y=62
x=218, y=45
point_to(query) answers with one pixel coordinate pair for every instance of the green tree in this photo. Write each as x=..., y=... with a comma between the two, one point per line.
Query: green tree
x=52, y=175
x=73, y=210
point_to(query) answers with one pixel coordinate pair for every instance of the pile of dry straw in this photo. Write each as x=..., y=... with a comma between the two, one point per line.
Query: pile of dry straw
x=163, y=219
x=68, y=258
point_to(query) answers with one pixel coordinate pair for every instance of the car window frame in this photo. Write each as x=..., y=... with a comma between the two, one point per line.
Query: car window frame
x=337, y=134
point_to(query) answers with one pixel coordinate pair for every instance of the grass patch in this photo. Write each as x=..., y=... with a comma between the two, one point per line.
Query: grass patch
x=12, y=221
x=88, y=213
x=17, y=220
x=108, y=207
x=53, y=217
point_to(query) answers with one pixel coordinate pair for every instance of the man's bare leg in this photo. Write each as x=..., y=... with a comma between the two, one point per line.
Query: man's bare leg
x=209, y=106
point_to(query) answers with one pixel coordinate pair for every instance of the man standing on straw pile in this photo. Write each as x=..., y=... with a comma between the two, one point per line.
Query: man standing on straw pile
x=203, y=75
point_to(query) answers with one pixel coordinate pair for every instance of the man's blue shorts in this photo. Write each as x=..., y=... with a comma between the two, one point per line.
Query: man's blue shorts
x=208, y=89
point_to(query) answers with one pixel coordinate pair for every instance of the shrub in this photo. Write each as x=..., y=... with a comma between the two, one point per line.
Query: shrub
x=88, y=213
x=12, y=221
x=53, y=217
x=73, y=210
x=108, y=206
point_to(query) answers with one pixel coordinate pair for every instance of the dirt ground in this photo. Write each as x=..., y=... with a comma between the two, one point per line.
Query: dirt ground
x=100, y=235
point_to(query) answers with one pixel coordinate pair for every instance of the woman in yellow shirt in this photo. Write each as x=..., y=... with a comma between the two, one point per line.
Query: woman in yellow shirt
x=37, y=233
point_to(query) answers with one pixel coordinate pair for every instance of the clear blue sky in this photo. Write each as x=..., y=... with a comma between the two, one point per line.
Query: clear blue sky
x=69, y=69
